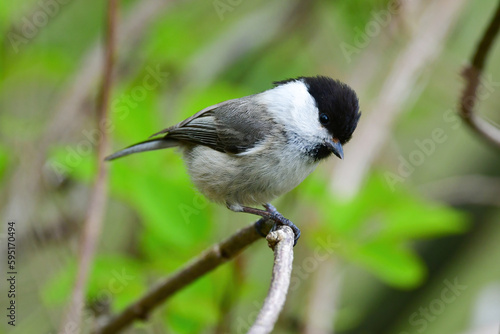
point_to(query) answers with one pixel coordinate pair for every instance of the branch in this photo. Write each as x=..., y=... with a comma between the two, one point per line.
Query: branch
x=209, y=260
x=281, y=241
x=472, y=75
x=97, y=202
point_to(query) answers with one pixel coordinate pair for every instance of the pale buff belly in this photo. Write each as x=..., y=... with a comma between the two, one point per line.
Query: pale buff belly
x=251, y=179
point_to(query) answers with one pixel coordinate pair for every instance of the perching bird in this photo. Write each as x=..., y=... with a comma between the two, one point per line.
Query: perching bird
x=248, y=151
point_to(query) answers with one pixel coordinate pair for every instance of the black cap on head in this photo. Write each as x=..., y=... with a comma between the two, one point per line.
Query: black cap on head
x=337, y=104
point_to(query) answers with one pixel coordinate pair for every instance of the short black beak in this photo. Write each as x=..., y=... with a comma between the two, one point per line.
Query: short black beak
x=336, y=147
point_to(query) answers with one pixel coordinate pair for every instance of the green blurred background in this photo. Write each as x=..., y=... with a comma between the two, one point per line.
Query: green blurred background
x=400, y=237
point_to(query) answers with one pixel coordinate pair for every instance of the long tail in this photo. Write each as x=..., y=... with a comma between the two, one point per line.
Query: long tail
x=148, y=145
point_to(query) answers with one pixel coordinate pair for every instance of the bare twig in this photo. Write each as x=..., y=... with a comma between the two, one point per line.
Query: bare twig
x=207, y=261
x=472, y=74
x=281, y=241
x=97, y=203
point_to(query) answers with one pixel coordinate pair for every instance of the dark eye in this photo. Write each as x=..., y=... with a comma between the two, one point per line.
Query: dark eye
x=324, y=119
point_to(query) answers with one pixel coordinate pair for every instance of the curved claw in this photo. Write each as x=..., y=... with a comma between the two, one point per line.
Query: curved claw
x=280, y=220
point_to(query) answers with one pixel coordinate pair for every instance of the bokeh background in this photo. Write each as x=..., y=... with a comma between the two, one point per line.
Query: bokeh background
x=400, y=237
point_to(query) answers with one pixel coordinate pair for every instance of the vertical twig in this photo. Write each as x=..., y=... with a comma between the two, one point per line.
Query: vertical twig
x=281, y=241
x=97, y=201
x=472, y=74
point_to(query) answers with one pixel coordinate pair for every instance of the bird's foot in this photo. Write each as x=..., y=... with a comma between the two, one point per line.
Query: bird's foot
x=279, y=219
x=269, y=214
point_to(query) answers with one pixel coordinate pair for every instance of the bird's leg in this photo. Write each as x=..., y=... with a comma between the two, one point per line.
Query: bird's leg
x=270, y=213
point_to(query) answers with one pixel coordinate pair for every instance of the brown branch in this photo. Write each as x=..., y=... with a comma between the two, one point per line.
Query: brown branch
x=97, y=202
x=281, y=241
x=472, y=74
x=209, y=260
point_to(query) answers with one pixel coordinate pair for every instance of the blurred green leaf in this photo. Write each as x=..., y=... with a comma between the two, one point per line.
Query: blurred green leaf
x=391, y=262
x=375, y=228
x=193, y=308
x=114, y=279
x=4, y=160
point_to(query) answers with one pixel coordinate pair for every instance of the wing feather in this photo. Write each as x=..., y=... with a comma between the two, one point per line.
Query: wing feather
x=232, y=126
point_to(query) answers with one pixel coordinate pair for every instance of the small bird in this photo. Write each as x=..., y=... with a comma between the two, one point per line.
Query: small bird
x=248, y=151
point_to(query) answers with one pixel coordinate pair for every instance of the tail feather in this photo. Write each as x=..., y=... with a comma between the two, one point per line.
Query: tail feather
x=148, y=145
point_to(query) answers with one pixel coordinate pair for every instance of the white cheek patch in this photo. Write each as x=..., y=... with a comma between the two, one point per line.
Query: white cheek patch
x=291, y=104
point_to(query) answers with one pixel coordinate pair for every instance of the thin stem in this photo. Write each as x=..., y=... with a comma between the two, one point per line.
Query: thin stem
x=484, y=46
x=472, y=74
x=97, y=202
